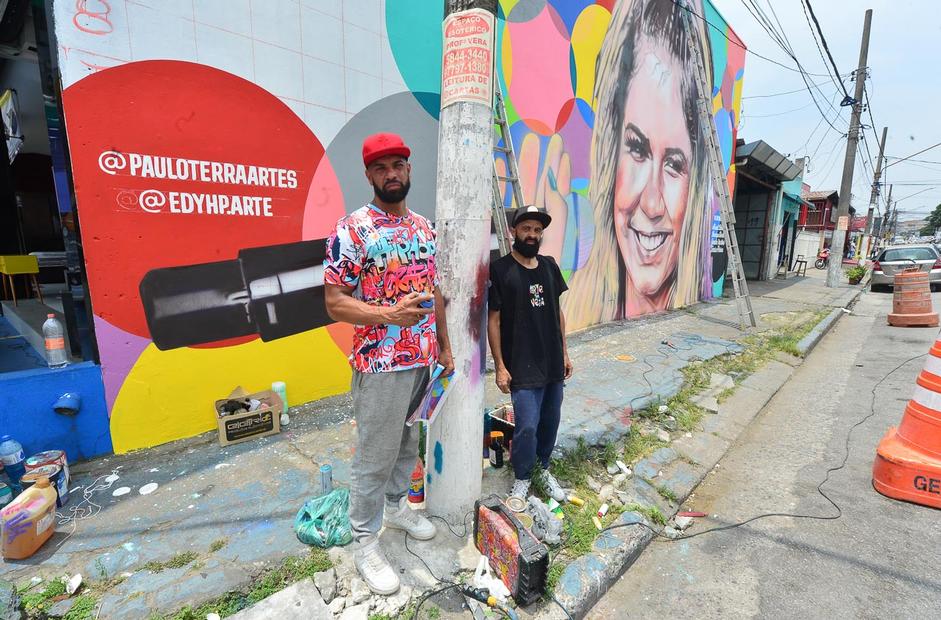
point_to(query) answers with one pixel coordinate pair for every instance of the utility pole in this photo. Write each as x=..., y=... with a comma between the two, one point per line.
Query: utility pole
x=888, y=225
x=834, y=273
x=874, y=196
x=462, y=221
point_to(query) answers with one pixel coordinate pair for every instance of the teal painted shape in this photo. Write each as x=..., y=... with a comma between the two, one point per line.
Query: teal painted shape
x=718, y=44
x=414, y=31
x=439, y=457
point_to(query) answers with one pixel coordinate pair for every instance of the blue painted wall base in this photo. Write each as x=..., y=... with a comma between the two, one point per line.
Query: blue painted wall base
x=26, y=399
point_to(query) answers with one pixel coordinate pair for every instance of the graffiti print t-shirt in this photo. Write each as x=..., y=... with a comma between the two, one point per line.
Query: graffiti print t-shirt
x=385, y=257
x=530, y=330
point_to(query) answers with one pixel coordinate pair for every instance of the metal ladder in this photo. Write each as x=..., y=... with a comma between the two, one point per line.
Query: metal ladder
x=500, y=226
x=719, y=182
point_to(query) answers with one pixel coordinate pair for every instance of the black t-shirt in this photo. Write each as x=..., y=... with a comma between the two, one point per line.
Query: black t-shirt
x=530, y=331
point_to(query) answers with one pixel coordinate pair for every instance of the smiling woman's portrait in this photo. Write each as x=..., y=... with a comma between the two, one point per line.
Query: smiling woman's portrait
x=648, y=171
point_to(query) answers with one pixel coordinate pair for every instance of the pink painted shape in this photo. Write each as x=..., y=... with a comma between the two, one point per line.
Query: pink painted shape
x=119, y=351
x=324, y=204
x=576, y=136
x=541, y=83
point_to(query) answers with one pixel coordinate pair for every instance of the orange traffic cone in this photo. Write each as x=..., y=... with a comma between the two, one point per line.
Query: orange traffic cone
x=908, y=459
x=911, y=301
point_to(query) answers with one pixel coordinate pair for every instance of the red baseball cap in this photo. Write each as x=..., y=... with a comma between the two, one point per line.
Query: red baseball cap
x=382, y=144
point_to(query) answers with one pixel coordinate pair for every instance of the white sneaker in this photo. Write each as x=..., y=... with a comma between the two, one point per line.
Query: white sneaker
x=402, y=517
x=520, y=489
x=373, y=567
x=553, y=488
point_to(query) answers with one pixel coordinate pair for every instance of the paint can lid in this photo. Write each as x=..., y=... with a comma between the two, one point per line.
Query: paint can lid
x=516, y=504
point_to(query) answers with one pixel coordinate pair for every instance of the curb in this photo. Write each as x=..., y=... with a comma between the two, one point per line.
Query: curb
x=589, y=577
x=808, y=342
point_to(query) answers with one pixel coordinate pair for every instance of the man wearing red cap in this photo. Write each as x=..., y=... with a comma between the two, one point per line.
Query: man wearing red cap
x=380, y=276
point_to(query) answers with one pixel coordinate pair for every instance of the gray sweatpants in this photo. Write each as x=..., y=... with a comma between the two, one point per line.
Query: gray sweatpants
x=386, y=449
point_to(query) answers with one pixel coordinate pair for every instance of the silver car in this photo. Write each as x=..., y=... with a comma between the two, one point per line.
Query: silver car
x=896, y=259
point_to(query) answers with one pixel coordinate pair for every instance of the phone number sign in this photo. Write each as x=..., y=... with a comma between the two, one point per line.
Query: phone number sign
x=467, y=65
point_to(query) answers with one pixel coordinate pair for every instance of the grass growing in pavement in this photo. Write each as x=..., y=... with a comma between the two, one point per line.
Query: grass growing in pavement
x=667, y=494
x=217, y=544
x=637, y=445
x=177, y=561
x=653, y=513
x=292, y=570
x=81, y=609
x=36, y=603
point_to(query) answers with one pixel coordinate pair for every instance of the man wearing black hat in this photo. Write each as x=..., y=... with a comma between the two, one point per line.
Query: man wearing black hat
x=526, y=329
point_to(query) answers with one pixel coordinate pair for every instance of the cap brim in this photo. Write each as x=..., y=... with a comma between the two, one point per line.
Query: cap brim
x=392, y=150
x=544, y=218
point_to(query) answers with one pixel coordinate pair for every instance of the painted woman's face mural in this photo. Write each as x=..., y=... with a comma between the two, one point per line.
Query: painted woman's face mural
x=651, y=185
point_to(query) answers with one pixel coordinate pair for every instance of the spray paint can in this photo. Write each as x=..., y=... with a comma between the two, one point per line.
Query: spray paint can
x=416, y=489
x=279, y=388
x=602, y=511
x=326, y=479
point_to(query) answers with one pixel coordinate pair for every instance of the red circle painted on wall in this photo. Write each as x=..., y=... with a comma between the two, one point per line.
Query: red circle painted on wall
x=177, y=164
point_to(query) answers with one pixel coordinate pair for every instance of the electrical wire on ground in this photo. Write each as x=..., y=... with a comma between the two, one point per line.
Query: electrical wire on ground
x=831, y=470
x=658, y=533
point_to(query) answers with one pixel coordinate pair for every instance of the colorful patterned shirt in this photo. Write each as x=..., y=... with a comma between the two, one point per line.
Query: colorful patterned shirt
x=385, y=257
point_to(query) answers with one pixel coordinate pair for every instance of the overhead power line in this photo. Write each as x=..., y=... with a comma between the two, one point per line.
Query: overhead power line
x=721, y=31
x=823, y=41
x=899, y=160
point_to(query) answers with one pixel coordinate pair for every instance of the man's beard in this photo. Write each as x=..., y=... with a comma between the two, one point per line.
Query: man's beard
x=528, y=250
x=392, y=196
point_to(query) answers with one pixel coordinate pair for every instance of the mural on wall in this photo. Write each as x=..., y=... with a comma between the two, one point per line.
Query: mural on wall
x=216, y=143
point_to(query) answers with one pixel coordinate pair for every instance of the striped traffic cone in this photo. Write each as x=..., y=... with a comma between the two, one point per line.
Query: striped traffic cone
x=908, y=459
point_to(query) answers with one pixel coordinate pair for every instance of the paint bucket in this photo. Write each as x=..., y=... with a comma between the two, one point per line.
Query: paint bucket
x=56, y=479
x=6, y=494
x=50, y=457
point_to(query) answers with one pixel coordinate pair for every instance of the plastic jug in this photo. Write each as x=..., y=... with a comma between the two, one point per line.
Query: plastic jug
x=28, y=521
x=13, y=458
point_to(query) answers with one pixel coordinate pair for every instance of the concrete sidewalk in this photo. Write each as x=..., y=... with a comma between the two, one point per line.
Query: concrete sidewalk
x=233, y=508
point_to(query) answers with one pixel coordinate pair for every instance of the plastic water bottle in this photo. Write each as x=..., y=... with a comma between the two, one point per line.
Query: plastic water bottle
x=54, y=336
x=13, y=459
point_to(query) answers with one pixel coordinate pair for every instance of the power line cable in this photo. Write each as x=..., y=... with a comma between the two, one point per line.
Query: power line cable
x=823, y=41
x=899, y=160
x=786, y=92
x=782, y=41
x=721, y=31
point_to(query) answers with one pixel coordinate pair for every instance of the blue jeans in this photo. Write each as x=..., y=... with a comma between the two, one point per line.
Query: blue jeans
x=537, y=412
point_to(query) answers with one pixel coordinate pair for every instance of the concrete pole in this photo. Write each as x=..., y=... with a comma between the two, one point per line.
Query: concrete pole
x=835, y=271
x=888, y=226
x=874, y=196
x=462, y=221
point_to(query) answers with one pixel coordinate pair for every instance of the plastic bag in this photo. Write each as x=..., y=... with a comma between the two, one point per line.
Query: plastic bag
x=324, y=521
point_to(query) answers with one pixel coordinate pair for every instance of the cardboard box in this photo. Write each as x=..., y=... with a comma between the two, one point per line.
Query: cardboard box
x=239, y=427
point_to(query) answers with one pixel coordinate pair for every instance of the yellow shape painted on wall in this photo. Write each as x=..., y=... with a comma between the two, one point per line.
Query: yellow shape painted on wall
x=506, y=57
x=587, y=35
x=169, y=395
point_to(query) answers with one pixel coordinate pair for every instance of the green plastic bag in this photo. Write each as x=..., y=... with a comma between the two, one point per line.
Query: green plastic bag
x=324, y=521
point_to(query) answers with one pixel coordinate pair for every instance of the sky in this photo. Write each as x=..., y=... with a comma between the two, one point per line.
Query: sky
x=904, y=93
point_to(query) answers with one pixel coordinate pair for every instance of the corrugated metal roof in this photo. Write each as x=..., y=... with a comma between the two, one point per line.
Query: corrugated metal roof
x=822, y=195
x=772, y=163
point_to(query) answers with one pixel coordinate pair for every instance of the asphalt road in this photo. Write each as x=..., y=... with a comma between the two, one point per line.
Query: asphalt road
x=880, y=559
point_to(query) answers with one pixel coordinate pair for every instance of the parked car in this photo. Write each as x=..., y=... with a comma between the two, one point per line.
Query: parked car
x=895, y=259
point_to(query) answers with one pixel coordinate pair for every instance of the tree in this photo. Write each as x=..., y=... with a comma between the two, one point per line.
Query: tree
x=933, y=223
